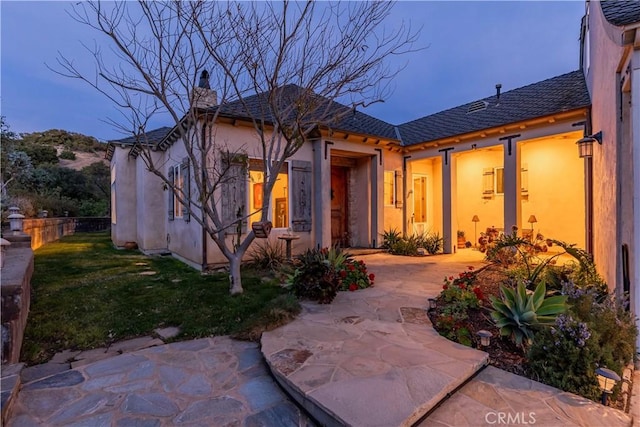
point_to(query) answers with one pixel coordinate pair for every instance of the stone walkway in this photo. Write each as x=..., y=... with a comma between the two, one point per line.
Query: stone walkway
x=371, y=358
x=208, y=382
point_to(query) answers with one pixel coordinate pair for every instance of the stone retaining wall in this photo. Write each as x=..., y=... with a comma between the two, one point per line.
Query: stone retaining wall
x=47, y=230
x=15, y=295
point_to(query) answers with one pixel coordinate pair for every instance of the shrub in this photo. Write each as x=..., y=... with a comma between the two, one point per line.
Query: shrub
x=312, y=278
x=432, y=243
x=68, y=155
x=457, y=297
x=353, y=276
x=268, y=255
x=320, y=273
x=517, y=314
x=398, y=245
x=597, y=332
x=390, y=238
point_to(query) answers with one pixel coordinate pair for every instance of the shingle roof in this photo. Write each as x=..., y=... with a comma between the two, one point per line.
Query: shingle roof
x=621, y=12
x=350, y=121
x=151, y=137
x=562, y=93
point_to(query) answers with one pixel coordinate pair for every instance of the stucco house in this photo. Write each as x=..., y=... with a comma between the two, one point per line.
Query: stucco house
x=507, y=159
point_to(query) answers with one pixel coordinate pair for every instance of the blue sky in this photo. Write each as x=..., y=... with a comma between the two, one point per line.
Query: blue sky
x=471, y=46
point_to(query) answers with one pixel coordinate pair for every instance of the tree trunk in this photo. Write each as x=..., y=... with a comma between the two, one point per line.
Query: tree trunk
x=235, y=281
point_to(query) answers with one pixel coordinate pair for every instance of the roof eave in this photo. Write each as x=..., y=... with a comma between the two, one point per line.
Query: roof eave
x=501, y=129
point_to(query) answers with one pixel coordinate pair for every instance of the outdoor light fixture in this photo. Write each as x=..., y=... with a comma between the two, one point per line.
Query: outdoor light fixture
x=485, y=338
x=585, y=145
x=607, y=379
x=532, y=220
x=432, y=303
x=15, y=219
x=475, y=220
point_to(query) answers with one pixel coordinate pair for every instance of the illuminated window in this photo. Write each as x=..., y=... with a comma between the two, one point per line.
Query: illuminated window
x=389, y=188
x=279, y=203
x=178, y=184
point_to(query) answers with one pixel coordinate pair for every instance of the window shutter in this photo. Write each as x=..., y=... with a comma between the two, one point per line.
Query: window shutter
x=170, y=194
x=234, y=192
x=487, y=183
x=399, y=193
x=186, y=188
x=301, y=195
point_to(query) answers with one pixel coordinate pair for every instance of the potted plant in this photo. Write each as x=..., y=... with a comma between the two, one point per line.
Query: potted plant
x=461, y=239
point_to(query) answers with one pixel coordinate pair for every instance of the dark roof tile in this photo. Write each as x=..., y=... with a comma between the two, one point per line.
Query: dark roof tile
x=621, y=12
x=562, y=93
x=151, y=137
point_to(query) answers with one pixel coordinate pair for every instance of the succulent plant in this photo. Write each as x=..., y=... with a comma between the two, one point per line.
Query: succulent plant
x=518, y=314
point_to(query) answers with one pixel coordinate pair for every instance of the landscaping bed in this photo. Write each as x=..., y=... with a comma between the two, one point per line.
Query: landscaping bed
x=552, y=323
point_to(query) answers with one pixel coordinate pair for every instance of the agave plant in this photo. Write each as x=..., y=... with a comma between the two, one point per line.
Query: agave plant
x=518, y=314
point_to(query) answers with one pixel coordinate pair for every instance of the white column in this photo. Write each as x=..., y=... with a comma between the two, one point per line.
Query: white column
x=512, y=186
x=377, y=200
x=634, y=252
x=448, y=200
x=321, y=193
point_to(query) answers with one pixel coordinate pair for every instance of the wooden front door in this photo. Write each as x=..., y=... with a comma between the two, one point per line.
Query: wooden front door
x=339, y=206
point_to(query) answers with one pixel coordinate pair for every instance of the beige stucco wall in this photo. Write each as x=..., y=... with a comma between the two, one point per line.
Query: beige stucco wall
x=470, y=200
x=556, y=194
x=124, y=175
x=392, y=162
x=151, y=207
x=601, y=79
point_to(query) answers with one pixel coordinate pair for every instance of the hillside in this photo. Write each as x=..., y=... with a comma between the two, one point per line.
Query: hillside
x=82, y=160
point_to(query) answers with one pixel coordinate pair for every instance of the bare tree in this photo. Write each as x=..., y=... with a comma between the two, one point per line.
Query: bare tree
x=280, y=66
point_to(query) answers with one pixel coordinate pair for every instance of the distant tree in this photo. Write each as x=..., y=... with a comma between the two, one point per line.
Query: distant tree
x=330, y=51
x=98, y=178
x=40, y=154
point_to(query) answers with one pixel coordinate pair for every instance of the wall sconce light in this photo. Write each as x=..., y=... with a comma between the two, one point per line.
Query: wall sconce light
x=532, y=220
x=607, y=380
x=585, y=145
x=475, y=220
x=485, y=338
x=432, y=303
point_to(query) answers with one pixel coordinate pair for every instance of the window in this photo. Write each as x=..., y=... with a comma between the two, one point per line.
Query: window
x=178, y=184
x=389, y=188
x=113, y=194
x=279, y=204
x=499, y=177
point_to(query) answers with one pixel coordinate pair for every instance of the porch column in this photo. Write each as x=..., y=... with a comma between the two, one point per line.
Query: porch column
x=377, y=199
x=449, y=195
x=321, y=193
x=512, y=185
x=634, y=252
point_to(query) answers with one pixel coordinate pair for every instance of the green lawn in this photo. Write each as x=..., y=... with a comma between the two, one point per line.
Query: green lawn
x=86, y=294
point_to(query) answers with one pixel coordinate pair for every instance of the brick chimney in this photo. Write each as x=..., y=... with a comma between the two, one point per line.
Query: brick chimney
x=203, y=96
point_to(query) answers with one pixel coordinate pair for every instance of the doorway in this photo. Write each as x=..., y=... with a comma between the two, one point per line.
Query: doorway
x=419, y=204
x=339, y=206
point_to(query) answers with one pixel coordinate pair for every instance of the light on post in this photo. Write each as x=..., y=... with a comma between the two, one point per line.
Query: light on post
x=485, y=338
x=607, y=380
x=585, y=145
x=432, y=303
x=15, y=219
x=475, y=221
x=532, y=220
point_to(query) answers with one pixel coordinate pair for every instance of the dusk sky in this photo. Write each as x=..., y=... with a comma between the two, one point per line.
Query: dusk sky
x=471, y=46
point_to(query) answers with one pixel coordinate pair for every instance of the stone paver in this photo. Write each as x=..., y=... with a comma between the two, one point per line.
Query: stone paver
x=374, y=345
x=369, y=359
x=372, y=358
x=209, y=382
x=497, y=397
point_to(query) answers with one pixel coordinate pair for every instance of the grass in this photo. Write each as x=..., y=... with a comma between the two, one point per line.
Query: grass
x=86, y=294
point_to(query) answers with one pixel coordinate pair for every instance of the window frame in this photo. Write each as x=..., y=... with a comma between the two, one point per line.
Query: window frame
x=286, y=168
x=392, y=190
x=496, y=183
x=178, y=185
